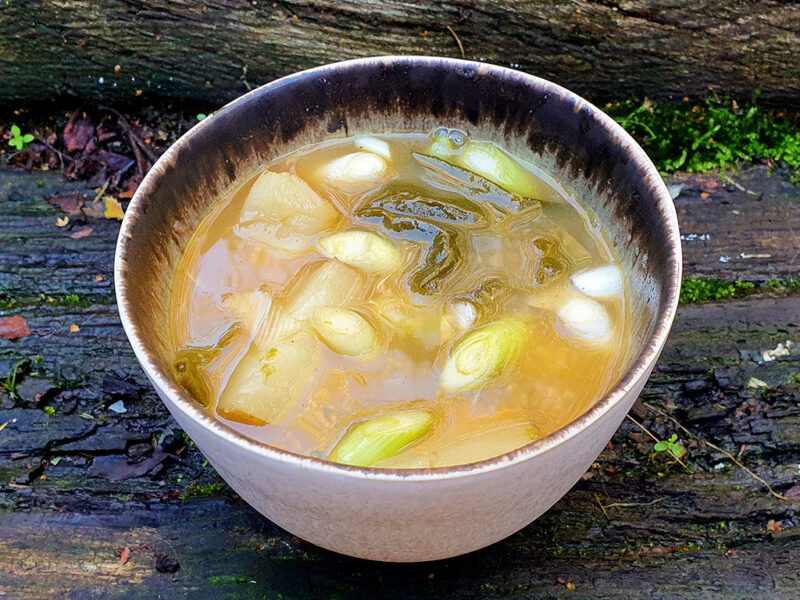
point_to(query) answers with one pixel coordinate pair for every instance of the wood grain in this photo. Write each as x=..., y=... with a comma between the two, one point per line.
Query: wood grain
x=211, y=52
x=660, y=533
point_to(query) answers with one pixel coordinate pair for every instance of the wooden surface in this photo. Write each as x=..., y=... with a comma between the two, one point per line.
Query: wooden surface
x=67, y=510
x=211, y=51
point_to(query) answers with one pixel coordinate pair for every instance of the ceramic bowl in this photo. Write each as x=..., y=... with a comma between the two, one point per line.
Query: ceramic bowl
x=403, y=515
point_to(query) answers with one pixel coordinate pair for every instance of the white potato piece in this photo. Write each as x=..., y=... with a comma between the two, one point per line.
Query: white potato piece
x=268, y=381
x=357, y=167
x=345, y=331
x=285, y=199
x=325, y=283
x=600, y=282
x=584, y=320
x=374, y=145
x=363, y=249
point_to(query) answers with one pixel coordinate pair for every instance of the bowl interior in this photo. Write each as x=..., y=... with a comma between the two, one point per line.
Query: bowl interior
x=534, y=119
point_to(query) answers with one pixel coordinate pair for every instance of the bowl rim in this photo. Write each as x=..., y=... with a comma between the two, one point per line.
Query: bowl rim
x=640, y=367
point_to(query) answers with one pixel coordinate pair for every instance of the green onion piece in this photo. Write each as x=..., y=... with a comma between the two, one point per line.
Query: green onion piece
x=345, y=331
x=494, y=164
x=482, y=354
x=380, y=438
x=362, y=249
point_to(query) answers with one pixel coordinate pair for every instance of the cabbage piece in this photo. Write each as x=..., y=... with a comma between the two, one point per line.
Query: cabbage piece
x=345, y=331
x=325, y=283
x=584, y=320
x=483, y=354
x=410, y=321
x=362, y=249
x=283, y=199
x=357, y=167
x=487, y=442
x=269, y=380
x=600, y=282
x=380, y=438
x=192, y=362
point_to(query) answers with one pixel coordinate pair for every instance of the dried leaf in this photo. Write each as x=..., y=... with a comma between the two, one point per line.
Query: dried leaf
x=98, y=278
x=14, y=328
x=113, y=209
x=774, y=525
x=125, y=555
x=793, y=493
x=74, y=328
x=69, y=203
x=62, y=221
x=77, y=134
x=81, y=233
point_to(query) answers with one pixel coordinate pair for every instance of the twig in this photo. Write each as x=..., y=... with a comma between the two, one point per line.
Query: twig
x=135, y=140
x=458, y=41
x=733, y=459
x=643, y=428
x=740, y=187
x=600, y=504
x=628, y=504
x=102, y=190
x=3, y=426
x=61, y=155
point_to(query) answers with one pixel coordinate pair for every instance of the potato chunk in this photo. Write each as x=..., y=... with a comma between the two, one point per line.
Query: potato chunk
x=269, y=380
x=282, y=210
x=584, y=320
x=325, y=283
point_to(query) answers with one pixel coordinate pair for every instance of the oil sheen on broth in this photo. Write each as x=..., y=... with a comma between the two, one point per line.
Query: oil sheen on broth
x=398, y=301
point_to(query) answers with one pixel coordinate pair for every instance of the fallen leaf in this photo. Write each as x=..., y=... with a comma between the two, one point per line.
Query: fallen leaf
x=68, y=203
x=62, y=221
x=125, y=555
x=704, y=195
x=99, y=278
x=81, y=233
x=113, y=209
x=118, y=469
x=14, y=327
x=570, y=585
x=78, y=133
x=74, y=328
x=3, y=426
x=793, y=493
x=774, y=525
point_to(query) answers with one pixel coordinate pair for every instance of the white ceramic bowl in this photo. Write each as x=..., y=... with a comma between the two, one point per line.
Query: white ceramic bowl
x=403, y=515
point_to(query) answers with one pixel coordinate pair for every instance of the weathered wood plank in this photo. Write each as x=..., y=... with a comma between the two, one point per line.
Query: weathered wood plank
x=213, y=51
x=663, y=533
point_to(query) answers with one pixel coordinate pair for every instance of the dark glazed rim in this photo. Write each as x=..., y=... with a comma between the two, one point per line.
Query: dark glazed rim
x=639, y=368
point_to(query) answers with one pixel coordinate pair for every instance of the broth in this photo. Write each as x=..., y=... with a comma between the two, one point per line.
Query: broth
x=398, y=301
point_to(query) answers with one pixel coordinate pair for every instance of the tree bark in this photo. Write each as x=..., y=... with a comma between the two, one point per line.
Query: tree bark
x=210, y=51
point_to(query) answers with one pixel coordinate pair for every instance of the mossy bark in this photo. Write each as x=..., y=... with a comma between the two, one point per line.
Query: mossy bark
x=211, y=52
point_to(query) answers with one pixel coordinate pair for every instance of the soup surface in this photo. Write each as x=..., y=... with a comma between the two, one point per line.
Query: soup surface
x=398, y=301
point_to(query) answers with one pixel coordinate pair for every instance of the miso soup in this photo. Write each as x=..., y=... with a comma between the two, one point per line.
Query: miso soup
x=398, y=301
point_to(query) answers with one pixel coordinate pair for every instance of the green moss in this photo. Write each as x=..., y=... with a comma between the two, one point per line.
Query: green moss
x=224, y=579
x=699, y=289
x=70, y=300
x=712, y=135
x=211, y=489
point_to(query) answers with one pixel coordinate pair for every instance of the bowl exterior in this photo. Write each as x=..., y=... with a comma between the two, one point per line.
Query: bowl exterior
x=405, y=515
x=404, y=520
